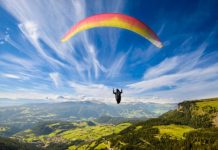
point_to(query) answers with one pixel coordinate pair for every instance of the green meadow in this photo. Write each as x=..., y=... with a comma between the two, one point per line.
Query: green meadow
x=93, y=132
x=212, y=102
x=174, y=131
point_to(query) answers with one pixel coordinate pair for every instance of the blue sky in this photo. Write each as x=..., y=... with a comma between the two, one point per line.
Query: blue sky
x=35, y=64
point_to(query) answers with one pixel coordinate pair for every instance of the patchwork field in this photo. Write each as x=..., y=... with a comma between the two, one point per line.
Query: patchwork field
x=94, y=132
x=76, y=132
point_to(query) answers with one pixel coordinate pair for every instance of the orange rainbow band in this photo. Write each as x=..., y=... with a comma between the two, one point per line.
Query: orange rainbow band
x=114, y=20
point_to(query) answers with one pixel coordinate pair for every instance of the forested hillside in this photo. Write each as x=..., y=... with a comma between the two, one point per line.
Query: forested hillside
x=12, y=144
x=192, y=126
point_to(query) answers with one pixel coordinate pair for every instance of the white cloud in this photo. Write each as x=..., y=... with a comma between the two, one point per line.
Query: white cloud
x=162, y=68
x=37, y=25
x=18, y=61
x=117, y=65
x=175, y=85
x=56, y=78
x=31, y=29
x=179, y=63
x=26, y=94
x=91, y=89
x=11, y=76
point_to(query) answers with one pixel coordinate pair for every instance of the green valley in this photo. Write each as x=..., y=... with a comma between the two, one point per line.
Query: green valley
x=68, y=132
x=191, y=126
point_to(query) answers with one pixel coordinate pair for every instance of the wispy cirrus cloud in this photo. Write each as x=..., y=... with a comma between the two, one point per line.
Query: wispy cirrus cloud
x=38, y=28
x=178, y=63
x=118, y=64
x=181, y=76
x=11, y=76
x=56, y=78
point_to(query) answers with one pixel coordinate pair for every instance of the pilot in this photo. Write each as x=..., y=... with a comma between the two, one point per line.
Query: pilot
x=118, y=95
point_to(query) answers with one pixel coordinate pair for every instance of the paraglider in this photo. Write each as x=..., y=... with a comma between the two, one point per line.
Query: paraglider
x=118, y=95
x=114, y=20
x=118, y=21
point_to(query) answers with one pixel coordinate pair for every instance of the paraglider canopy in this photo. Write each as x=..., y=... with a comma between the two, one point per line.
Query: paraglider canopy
x=114, y=20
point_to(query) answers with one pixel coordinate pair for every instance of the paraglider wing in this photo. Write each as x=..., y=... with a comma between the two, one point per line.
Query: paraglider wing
x=114, y=20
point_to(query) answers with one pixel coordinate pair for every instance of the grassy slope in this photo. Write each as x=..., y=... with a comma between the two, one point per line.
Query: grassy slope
x=94, y=132
x=175, y=131
x=208, y=102
x=202, y=105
